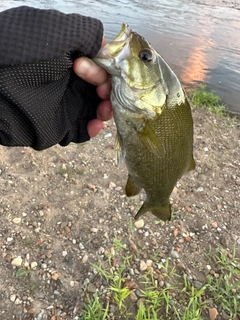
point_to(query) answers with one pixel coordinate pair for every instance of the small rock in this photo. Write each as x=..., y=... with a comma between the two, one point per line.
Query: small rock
x=8, y=257
x=85, y=258
x=34, y=265
x=139, y=223
x=181, y=266
x=12, y=297
x=197, y=284
x=140, y=301
x=143, y=265
x=91, y=288
x=149, y=263
x=174, y=254
x=112, y=185
x=44, y=266
x=92, y=187
x=213, y=313
x=81, y=246
x=55, y=276
x=64, y=253
x=16, y=220
x=133, y=297
x=108, y=135
x=31, y=311
x=18, y=301
x=94, y=230
x=17, y=262
x=175, y=232
x=208, y=268
x=24, y=214
x=72, y=283
x=9, y=239
x=214, y=224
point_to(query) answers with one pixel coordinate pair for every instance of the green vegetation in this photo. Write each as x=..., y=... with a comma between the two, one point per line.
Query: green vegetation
x=225, y=288
x=175, y=297
x=207, y=100
x=69, y=171
x=22, y=272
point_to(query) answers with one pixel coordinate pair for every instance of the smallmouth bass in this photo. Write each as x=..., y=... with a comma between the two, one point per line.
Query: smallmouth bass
x=153, y=119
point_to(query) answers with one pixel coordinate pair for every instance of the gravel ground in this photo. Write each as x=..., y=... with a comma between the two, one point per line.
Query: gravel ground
x=62, y=208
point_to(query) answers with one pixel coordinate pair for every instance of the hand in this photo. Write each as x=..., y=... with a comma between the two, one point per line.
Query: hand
x=94, y=74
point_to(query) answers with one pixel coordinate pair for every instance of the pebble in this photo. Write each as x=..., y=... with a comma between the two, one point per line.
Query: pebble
x=108, y=135
x=81, y=246
x=214, y=224
x=18, y=301
x=17, y=262
x=238, y=241
x=31, y=311
x=91, y=288
x=143, y=265
x=33, y=264
x=85, y=258
x=213, y=313
x=140, y=301
x=139, y=223
x=149, y=263
x=72, y=283
x=94, y=230
x=55, y=276
x=174, y=254
x=64, y=253
x=12, y=297
x=112, y=185
x=175, y=232
x=133, y=297
x=16, y=220
x=9, y=239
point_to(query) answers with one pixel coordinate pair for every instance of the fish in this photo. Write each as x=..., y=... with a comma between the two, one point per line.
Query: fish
x=153, y=119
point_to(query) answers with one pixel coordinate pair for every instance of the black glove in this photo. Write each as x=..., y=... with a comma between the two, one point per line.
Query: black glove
x=42, y=101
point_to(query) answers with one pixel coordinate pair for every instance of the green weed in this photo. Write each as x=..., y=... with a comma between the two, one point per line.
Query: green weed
x=176, y=298
x=225, y=289
x=23, y=272
x=207, y=100
x=69, y=171
x=94, y=310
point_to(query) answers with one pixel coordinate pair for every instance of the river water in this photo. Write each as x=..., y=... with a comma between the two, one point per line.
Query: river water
x=200, y=39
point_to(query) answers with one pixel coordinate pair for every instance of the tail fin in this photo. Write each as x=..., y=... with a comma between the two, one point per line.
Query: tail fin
x=162, y=212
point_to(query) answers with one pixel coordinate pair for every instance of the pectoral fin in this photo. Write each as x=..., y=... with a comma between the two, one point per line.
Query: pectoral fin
x=119, y=149
x=132, y=189
x=152, y=141
x=163, y=212
x=192, y=165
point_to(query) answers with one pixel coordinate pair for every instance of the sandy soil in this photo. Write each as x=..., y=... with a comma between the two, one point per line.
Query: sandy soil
x=61, y=209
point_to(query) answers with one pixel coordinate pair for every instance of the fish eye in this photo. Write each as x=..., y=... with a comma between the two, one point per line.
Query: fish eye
x=145, y=55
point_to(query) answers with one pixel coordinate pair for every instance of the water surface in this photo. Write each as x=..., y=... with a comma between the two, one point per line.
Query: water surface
x=200, y=40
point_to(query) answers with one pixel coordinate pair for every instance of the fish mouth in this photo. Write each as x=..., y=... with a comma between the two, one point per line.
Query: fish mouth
x=114, y=48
